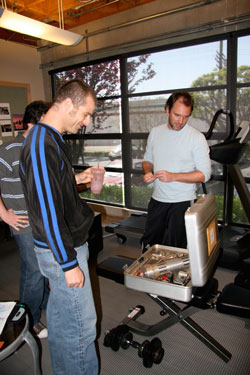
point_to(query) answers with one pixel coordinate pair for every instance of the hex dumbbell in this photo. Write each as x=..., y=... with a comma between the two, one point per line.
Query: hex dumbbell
x=150, y=351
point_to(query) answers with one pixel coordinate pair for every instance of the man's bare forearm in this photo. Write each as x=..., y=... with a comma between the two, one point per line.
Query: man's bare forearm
x=188, y=177
x=147, y=167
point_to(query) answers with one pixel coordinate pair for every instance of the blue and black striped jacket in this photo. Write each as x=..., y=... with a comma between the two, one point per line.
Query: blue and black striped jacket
x=59, y=218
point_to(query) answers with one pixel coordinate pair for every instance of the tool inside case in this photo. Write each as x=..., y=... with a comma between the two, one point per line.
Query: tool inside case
x=174, y=272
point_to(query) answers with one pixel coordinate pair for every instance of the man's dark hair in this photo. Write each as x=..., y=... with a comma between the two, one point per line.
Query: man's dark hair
x=186, y=98
x=76, y=90
x=33, y=112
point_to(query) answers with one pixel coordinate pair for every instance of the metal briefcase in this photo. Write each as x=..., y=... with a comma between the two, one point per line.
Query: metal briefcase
x=175, y=272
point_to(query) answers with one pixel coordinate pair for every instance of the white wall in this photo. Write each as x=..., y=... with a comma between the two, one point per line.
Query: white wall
x=21, y=64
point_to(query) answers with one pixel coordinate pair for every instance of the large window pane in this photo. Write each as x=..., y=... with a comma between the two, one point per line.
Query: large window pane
x=137, y=152
x=216, y=188
x=90, y=152
x=239, y=215
x=243, y=77
x=146, y=112
x=104, y=77
x=245, y=162
x=112, y=191
x=243, y=104
x=244, y=55
x=179, y=68
x=206, y=104
x=106, y=118
x=141, y=195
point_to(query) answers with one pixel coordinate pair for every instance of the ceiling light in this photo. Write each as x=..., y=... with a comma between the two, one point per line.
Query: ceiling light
x=24, y=25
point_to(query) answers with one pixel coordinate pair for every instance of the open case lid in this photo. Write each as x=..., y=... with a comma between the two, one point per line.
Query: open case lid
x=202, y=238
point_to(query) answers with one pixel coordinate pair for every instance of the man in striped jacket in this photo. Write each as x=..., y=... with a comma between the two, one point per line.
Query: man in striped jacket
x=60, y=223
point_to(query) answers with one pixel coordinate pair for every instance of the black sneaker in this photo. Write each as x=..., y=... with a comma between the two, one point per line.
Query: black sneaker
x=40, y=330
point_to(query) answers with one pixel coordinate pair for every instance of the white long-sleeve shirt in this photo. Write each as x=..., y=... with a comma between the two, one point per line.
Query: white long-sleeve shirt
x=180, y=151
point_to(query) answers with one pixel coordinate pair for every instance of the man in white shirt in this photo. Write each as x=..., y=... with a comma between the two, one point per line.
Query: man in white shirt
x=176, y=158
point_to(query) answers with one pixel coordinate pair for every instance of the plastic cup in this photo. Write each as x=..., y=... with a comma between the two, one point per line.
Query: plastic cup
x=97, y=180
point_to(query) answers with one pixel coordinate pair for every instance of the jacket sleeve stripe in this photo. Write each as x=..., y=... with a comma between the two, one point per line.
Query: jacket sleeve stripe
x=40, y=193
x=50, y=196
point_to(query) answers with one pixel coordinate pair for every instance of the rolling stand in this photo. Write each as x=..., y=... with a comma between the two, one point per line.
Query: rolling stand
x=196, y=293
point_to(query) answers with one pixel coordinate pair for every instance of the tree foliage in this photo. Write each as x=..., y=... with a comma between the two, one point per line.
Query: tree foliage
x=104, y=78
x=208, y=102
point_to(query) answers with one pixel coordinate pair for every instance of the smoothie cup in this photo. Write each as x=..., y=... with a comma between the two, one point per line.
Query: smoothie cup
x=97, y=180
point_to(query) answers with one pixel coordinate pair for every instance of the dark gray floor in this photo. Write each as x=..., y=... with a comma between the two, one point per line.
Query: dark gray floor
x=184, y=353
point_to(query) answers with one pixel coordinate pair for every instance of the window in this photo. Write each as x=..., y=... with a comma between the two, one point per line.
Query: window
x=179, y=68
x=132, y=91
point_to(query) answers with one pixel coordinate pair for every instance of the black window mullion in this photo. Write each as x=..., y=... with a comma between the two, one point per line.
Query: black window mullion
x=126, y=143
x=231, y=104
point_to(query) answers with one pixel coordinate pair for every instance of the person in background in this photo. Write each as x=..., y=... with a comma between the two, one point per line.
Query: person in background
x=176, y=159
x=33, y=288
x=60, y=222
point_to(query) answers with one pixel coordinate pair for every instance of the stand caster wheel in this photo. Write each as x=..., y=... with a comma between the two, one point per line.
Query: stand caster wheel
x=121, y=239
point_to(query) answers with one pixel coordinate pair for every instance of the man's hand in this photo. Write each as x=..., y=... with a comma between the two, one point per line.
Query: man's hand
x=148, y=178
x=14, y=220
x=165, y=176
x=75, y=278
x=84, y=177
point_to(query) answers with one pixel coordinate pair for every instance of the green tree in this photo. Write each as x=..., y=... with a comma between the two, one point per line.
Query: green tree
x=208, y=102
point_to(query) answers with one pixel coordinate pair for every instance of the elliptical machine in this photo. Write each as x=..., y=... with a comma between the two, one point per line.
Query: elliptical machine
x=235, y=240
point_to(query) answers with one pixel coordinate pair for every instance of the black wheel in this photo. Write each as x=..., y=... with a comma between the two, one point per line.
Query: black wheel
x=121, y=239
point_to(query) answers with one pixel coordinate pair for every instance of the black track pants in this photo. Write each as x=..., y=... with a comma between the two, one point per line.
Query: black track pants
x=165, y=224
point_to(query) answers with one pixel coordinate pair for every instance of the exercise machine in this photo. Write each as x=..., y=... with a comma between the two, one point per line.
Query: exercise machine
x=235, y=240
x=131, y=226
x=186, y=278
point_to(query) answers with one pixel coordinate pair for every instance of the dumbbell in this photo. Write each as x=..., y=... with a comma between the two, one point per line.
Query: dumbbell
x=150, y=351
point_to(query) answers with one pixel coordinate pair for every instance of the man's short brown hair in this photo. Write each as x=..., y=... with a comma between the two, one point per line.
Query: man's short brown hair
x=76, y=90
x=187, y=100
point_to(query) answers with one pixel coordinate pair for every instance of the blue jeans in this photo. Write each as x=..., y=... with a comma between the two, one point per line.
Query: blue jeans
x=71, y=317
x=33, y=287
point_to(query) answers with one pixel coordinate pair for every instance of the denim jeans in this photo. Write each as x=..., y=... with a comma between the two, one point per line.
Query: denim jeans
x=33, y=287
x=71, y=317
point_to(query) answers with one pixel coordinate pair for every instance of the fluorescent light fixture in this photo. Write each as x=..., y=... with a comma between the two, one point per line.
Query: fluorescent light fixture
x=24, y=25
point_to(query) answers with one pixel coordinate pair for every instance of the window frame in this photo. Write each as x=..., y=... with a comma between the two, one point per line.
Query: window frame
x=126, y=137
